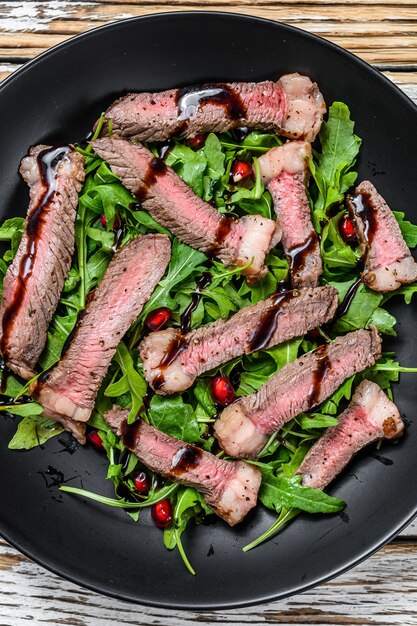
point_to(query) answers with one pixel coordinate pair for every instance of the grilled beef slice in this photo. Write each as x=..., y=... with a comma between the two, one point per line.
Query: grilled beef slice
x=388, y=261
x=230, y=488
x=243, y=428
x=174, y=205
x=369, y=416
x=70, y=388
x=34, y=281
x=285, y=172
x=293, y=107
x=270, y=322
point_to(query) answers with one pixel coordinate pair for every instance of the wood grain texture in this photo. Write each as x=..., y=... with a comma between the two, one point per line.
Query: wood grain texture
x=386, y=35
x=381, y=591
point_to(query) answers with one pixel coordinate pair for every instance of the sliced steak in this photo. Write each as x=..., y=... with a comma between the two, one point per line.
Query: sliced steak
x=70, y=388
x=285, y=172
x=34, y=281
x=172, y=361
x=388, y=261
x=293, y=107
x=244, y=427
x=369, y=416
x=230, y=488
x=174, y=205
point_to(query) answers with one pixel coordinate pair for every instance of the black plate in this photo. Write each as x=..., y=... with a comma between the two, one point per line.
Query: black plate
x=55, y=99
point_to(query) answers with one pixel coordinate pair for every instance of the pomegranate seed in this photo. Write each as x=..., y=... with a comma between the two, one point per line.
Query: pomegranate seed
x=347, y=229
x=222, y=390
x=141, y=483
x=158, y=318
x=241, y=170
x=94, y=439
x=103, y=221
x=162, y=513
x=197, y=141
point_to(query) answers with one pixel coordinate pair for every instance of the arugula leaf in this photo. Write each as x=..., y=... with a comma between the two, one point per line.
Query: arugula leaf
x=32, y=431
x=189, y=505
x=331, y=169
x=317, y=420
x=190, y=165
x=174, y=417
x=363, y=310
x=279, y=491
x=408, y=230
x=185, y=262
x=136, y=383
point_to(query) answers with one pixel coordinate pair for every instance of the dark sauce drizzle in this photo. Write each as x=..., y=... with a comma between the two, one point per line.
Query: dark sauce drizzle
x=298, y=255
x=4, y=372
x=156, y=168
x=365, y=210
x=130, y=433
x=223, y=229
x=190, y=100
x=186, y=318
x=240, y=133
x=48, y=162
x=124, y=459
x=263, y=332
x=178, y=343
x=165, y=149
x=347, y=300
x=319, y=374
x=185, y=459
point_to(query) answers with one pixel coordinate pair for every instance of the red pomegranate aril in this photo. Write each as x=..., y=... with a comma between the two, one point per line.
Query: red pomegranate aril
x=141, y=483
x=158, y=318
x=241, y=171
x=94, y=439
x=196, y=142
x=162, y=513
x=347, y=229
x=222, y=390
x=103, y=221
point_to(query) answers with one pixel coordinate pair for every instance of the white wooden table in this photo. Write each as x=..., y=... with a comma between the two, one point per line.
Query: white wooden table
x=383, y=589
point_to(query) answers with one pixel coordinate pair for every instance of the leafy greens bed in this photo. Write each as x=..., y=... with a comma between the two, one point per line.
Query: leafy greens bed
x=108, y=217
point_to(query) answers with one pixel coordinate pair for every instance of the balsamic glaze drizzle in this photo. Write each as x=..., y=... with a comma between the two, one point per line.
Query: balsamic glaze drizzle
x=365, y=210
x=4, y=372
x=130, y=433
x=319, y=374
x=347, y=300
x=48, y=161
x=263, y=332
x=186, y=458
x=190, y=100
x=156, y=168
x=298, y=255
x=223, y=229
x=178, y=343
x=186, y=318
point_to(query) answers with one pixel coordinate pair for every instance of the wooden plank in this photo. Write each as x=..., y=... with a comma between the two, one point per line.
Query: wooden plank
x=387, y=35
x=379, y=592
x=6, y=69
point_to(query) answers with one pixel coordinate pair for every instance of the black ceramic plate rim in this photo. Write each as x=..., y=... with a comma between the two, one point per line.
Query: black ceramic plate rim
x=60, y=570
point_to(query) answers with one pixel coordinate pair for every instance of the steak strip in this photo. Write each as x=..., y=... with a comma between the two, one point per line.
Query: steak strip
x=69, y=389
x=285, y=172
x=34, y=280
x=195, y=222
x=230, y=488
x=172, y=361
x=388, y=261
x=370, y=416
x=293, y=107
x=244, y=427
